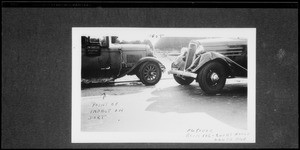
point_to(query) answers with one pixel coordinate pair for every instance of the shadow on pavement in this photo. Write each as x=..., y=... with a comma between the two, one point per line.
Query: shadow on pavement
x=121, y=88
x=234, y=90
x=229, y=107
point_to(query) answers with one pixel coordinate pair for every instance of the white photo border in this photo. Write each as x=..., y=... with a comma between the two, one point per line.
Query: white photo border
x=147, y=137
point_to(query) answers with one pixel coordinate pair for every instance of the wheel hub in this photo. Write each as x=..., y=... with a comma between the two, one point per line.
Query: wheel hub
x=214, y=77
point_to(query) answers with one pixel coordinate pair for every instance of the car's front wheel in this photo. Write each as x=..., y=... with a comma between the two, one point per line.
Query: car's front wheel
x=212, y=77
x=149, y=73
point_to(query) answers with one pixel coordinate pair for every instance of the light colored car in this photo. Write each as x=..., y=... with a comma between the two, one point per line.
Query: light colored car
x=107, y=59
x=210, y=62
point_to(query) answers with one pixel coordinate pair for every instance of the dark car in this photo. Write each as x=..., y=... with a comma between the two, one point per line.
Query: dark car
x=104, y=60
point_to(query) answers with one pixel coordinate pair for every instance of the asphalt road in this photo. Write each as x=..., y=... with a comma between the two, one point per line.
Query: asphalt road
x=130, y=106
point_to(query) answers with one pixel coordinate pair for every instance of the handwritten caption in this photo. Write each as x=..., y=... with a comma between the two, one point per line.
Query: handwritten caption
x=211, y=135
x=100, y=111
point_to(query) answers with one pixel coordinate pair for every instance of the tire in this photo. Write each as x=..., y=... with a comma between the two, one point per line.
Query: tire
x=212, y=77
x=138, y=75
x=183, y=80
x=149, y=73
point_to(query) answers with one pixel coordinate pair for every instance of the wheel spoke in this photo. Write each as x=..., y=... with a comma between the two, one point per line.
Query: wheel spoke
x=150, y=68
x=147, y=69
x=150, y=72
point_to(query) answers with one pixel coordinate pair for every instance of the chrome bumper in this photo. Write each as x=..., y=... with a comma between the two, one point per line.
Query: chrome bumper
x=183, y=73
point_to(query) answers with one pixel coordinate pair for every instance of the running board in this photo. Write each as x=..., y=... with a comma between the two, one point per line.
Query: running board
x=97, y=80
x=183, y=73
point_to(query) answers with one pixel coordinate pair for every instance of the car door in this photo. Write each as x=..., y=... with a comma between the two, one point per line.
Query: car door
x=113, y=60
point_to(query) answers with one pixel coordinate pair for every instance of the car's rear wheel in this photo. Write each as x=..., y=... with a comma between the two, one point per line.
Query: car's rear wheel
x=183, y=80
x=212, y=77
x=149, y=73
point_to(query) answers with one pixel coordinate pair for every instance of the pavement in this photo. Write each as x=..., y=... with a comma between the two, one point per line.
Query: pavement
x=130, y=106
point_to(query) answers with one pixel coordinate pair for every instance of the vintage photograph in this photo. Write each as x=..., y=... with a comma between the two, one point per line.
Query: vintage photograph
x=163, y=85
x=143, y=74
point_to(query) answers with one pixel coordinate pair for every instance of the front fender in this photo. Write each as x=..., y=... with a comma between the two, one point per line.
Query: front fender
x=209, y=56
x=146, y=59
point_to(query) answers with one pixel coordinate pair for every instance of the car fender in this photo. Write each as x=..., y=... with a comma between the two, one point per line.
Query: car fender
x=211, y=56
x=143, y=60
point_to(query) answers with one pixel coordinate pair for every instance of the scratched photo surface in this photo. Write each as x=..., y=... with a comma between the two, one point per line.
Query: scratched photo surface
x=112, y=104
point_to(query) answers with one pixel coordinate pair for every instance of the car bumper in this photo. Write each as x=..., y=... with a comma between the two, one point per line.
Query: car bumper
x=183, y=73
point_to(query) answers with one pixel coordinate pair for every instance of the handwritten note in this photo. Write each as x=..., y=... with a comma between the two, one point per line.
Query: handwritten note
x=102, y=110
x=217, y=136
x=109, y=113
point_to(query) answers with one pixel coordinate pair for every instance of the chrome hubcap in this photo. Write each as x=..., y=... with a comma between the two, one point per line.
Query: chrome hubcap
x=214, y=77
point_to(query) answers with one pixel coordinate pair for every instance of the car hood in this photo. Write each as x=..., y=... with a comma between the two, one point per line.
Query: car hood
x=223, y=45
x=222, y=41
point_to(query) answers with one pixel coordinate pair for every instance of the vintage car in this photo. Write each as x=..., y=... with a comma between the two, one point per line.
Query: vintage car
x=106, y=59
x=210, y=61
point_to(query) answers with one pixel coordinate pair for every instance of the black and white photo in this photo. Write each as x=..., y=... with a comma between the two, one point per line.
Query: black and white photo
x=163, y=85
